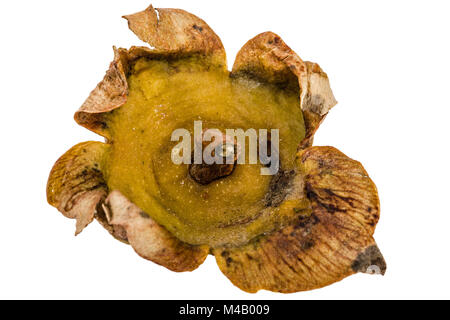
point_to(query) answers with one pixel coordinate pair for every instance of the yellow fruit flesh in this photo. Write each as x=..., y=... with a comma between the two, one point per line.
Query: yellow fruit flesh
x=167, y=95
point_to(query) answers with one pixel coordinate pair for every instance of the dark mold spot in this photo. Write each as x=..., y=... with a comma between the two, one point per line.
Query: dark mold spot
x=370, y=261
x=96, y=171
x=196, y=27
x=306, y=222
x=308, y=244
x=144, y=215
x=278, y=188
x=321, y=163
x=325, y=202
x=348, y=200
x=315, y=219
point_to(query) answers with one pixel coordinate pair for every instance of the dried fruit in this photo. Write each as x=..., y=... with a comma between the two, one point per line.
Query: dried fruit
x=305, y=227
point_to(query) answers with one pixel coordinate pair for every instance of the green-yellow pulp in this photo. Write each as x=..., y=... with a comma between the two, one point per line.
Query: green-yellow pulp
x=167, y=95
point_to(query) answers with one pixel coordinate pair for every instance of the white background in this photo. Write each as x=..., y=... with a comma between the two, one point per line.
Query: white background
x=388, y=63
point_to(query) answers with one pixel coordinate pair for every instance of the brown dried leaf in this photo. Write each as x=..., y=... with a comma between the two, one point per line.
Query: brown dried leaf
x=320, y=248
x=149, y=239
x=175, y=31
x=267, y=57
x=109, y=94
x=75, y=185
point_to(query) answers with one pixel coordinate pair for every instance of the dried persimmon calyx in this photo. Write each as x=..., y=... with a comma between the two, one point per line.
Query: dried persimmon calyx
x=200, y=160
